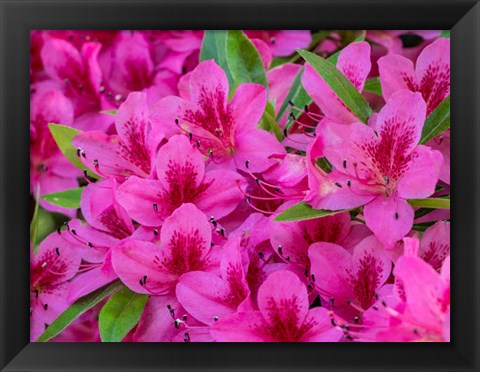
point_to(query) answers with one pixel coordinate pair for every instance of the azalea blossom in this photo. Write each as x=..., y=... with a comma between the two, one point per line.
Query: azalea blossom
x=380, y=167
x=225, y=131
x=283, y=316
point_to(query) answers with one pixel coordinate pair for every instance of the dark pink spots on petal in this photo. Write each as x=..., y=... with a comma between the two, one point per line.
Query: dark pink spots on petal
x=367, y=280
x=353, y=74
x=132, y=146
x=186, y=251
x=237, y=290
x=182, y=185
x=283, y=320
x=435, y=85
x=110, y=220
x=48, y=272
x=391, y=156
x=435, y=254
x=214, y=116
x=323, y=232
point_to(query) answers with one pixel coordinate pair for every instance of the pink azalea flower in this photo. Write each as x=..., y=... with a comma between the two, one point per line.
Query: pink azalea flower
x=430, y=76
x=379, y=168
x=283, y=316
x=181, y=179
x=225, y=131
x=292, y=239
x=282, y=42
x=54, y=264
x=49, y=169
x=185, y=246
x=435, y=244
x=347, y=278
x=128, y=66
x=130, y=152
x=424, y=314
x=207, y=296
x=102, y=211
x=354, y=63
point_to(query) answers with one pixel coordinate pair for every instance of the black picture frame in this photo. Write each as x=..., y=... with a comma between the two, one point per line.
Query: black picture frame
x=18, y=17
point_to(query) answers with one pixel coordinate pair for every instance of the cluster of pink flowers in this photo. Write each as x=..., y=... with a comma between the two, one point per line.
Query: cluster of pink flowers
x=188, y=188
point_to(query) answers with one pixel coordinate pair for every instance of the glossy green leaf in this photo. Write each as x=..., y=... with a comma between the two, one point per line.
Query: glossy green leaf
x=77, y=309
x=35, y=219
x=373, y=85
x=269, y=123
x=109, y=112
x=302, y=211
x=445, y=34
x=438, y=203
x=120, y=314
x=63, y=136
x=243, y=60
x=437, y=122
x=324, y=164
x=214, y=46
x=66, y=199
x=344, y=89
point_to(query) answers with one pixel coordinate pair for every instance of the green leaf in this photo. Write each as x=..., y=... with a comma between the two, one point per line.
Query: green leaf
x=243, y=60
x=437, y=122
x=324, y=164
x=109, y=112
x=373, y=85
x=269, y=123
x=63, y=136
x=66, y=199
x=438, y=203
x=35, y=219
x=77, y=309
x=120, y=314
x=302, y=211
x=214, y=46
x=344, y=89
x=445, y=34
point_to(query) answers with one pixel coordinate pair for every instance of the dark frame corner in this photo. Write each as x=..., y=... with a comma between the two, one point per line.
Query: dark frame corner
x=18, y=17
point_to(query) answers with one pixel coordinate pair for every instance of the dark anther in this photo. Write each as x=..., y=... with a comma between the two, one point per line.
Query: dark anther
x=144, y=279
x=280, y=250
x=290, y=102
x=261, y=255
x=355, y=320
x=387, y=180
x=222, y=232
x=57, y=251
x=176, y=323
x=344, y=163
x=338, y=184
x=176, y=121
x=184, y=317
x=187, y=337
x=214, y=223
x=36, y=293
x=285, y=132
x=190, y=136
x=306, y=272
x=78, y=152
x=273, y=40
x=210, y=152
x=155, y=207
x=73, y=231
x=374, y=308
x=292, y=115
x=45, y=306
x=287, y=258
x=396, y=215
x=313, y=278
x=246, y=163
x=348, y=337
x=172, y=313
x=169, y=307
x=332, y=301
x=257, y=180
x=59, y=231
x=155, y=232
x=376, y=296
x=141, y=282
x=384, y=304
x=349, y=183
x=333, y=322
x=248, y=199
x=198, y=143
x=90, y=244
x=305, y=108
x=215, y=318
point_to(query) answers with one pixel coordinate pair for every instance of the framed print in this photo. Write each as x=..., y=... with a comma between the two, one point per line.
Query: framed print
x=240, y=186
